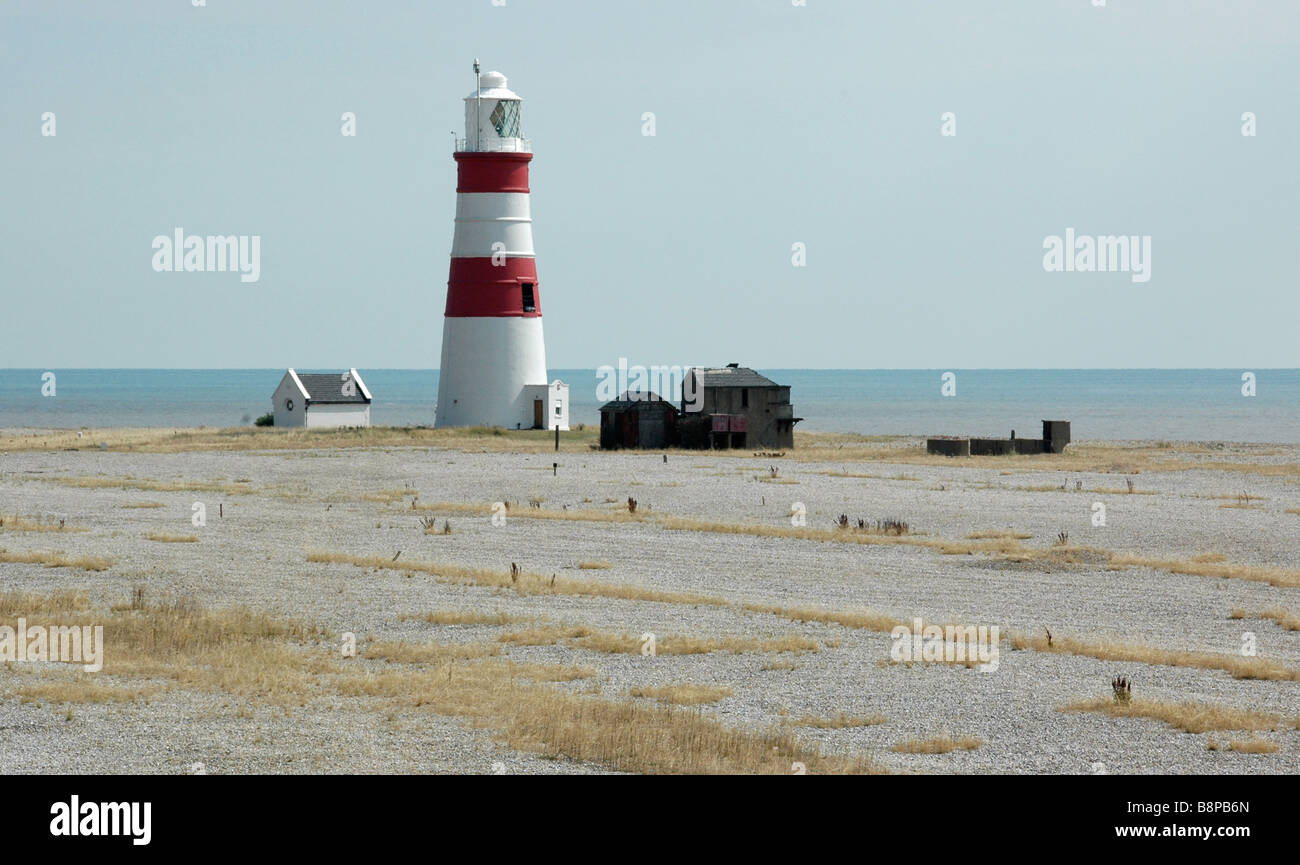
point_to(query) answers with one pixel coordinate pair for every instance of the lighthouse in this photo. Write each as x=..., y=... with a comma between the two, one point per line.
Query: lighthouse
x=493, y=370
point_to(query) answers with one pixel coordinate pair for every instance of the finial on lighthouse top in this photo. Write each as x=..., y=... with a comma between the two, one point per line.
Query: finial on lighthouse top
x=492, y=120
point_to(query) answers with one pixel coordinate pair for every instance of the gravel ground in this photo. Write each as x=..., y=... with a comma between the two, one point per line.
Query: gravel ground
x=255, y=554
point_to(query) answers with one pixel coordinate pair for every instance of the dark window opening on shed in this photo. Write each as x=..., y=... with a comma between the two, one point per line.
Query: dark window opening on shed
x=744, y=397
x=530, y=304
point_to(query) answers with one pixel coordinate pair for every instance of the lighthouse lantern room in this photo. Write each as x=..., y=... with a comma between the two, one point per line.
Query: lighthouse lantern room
x=493, y=370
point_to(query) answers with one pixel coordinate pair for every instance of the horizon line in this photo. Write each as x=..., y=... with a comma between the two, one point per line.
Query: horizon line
x=684, y=366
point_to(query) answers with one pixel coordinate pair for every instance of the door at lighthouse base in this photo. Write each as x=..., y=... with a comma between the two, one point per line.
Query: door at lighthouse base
x=539, y=414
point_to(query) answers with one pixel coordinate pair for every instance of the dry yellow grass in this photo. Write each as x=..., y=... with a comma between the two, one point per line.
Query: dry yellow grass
x=843, y=535
x=1254, y=745
x=132, y=483
x=1283, y=618
x=163, y=538
x=544, y=635
x=672, y=644
x=863, y=619
x=1069, y=488
x=594, y=566
x=390, y=496
x=998, y=534
x=610, y=642
x=137, y=505
x=684, y=694
x=970, y=662
x=428, y=653
x=513, y=700
x=154, y=647
x=1090, y=457
x=1273, y=576
x=1204, y=558
x=626, y=736
x=83, y=689
x=529, y=583
x=525, y=583
x=840, y=448
x=937, y=745
x=588, y=515
x=840, y=721
x=1241, y=667
x=867, y=620
x=452, y=507
x=15, y=604
x=463, y=617
x=1003, y=544
x=56, y=560
x=177, y=440
x=20, y=523
x=1007, y=546
x=1188, y=717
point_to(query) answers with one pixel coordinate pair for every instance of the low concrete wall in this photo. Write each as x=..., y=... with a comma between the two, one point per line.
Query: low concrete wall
x=992, y=447
x=1056, y=437
x=1030, y=446
x=948, y=447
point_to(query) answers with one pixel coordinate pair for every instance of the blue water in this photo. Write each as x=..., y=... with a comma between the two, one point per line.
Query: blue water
x=1191, y=404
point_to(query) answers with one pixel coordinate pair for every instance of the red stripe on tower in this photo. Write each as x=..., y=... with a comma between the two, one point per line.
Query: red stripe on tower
x=492, y=172
x=479, y=287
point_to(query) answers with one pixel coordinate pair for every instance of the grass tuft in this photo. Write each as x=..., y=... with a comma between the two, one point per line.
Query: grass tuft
x=684, y=694
x=1188, y=717
x=937, y=745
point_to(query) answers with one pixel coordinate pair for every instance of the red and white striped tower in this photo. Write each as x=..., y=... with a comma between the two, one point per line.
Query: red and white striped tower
x=493, y=368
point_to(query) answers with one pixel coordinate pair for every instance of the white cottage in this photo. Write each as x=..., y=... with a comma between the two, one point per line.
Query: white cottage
x=321, y=400
x=550, y=404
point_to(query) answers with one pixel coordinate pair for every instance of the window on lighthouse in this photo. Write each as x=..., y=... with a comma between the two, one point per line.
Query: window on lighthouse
x=530, y=304
x=505, y=118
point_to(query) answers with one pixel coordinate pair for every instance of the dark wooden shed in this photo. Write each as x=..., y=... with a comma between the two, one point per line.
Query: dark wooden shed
x=638, y=420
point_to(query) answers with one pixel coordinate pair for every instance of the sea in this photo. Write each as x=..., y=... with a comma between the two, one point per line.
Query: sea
x=1256, y=405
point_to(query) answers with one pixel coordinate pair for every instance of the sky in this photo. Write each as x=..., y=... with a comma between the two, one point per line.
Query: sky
x=774, y=124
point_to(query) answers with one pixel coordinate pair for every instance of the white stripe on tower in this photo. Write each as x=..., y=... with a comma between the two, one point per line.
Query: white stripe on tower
x=484, y=218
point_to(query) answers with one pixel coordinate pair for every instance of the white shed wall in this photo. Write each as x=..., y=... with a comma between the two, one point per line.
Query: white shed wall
x=284, y=417
x=332, y=415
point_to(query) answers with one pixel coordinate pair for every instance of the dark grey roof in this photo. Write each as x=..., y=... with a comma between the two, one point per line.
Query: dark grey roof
x=639, y=399
x=732, y=376
x=328, y=388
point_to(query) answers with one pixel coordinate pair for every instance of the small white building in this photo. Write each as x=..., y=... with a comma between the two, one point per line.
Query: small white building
x=321, y=400
x=550, y=404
